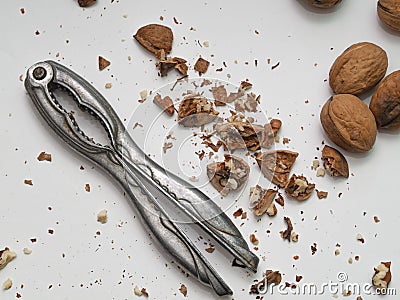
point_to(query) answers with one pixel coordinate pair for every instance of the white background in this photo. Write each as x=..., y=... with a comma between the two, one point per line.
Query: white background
x=305, y=42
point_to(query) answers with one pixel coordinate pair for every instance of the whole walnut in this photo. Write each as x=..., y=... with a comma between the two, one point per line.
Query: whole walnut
x=360, y=67
x=323, y=3
x=349, y=123
x=389, y=13
x=385, y=103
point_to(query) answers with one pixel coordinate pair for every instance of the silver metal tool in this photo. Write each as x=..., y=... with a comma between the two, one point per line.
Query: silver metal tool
x=148, y=185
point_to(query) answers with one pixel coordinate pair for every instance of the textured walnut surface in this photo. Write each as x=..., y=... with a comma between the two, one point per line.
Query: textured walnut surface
x=389, y=13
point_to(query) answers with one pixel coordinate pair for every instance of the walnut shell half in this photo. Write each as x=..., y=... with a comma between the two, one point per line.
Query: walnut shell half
x=349, y=123
x=334, y=162
x=154, y=38
x=323, y=3
x=359, y=68
x=389, y=13
x=196, y=111
x=385, y=103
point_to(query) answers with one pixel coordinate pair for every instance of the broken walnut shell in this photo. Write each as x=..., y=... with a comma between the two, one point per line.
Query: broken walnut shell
x=165, y=103
x=360, y=67
x=231, y=174
x=154, y=38
x=334, y=162
x=323, y=3
x=389, y=13
x=195, y=111
x=86, y=3
x=349, y=123
x=276, y=165
x=262, y=201
x=299, y=188
x=385, y=102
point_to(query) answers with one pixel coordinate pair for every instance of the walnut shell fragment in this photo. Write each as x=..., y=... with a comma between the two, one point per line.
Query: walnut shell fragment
x=201, y=65
x=389, y=13
x=154, y=38
x=334, y=162
x=349, y=123
x=167, y=64
x=323, y=3
x=86, y=3
x=359, y=68
x=299, y=187
x=385, y=102
x=103, y=63
x=165, y=103
x=221, y=96
x=276, y=165
x=382, y=276
x=195, y=111
x=229, y=175
x=242, y=135
x=261, y=201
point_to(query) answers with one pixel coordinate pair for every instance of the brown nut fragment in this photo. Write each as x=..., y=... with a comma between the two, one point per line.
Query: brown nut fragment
x=242, y=135
x=382, y=276
x=322, y=194
x=275, y=125
x=154, y=38
x=103, y=63
x=358, y=68
x=195, y=111
x=349, y=123
x=43, y=156
x=287, y=233
x=201, y=65
x=270, y=277
x=262, y=201
x=229, y=175
x=385, y=103
x=299, y=188
x=389, y=13
x=334, y=162
x=165, y=103
x=276, y=165
x=86, y=3
x=167, y=64
x=6, y=256
x=323, y=3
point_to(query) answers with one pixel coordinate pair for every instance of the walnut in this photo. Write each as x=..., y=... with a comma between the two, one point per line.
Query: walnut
x=299, y=188
x=231, y=174
x=196, y=111
x=389, y=13
x=334, y=162
x=242, y=135
x=6, y=256
x=165, y=103
x=323, y=3
x=103, y=63
x=154, y=38
x=276, y=165
x=201, y=65
x=358, y=68
x=385, y=102
x=382, y=276
x=349, y=123
x=261, y=201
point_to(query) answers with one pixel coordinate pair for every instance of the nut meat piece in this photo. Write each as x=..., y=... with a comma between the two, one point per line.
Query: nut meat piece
x=299, y=187
x=242, y=135
x=6, y=256
x=287, y=233
x=165, y=103
x=358, y=68
x=349, y=123
x=154, y=38
x=201, y=65
x=86, y=3
x=276, y=165
x=385, y=103
x=323, y=3
x=334, y=162
x=389, y=13
x=382, y=276
x=195, y=111
x=231, y=174
x=262, y=201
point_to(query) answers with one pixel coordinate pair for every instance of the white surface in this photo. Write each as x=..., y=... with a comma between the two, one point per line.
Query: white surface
x=108, y=266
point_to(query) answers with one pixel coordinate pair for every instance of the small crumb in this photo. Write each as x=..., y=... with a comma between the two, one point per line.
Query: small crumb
x=295, y=237
x=103, y=63
x=108, y=85
x=43, y=156
x=193, y=178
x=315, y=164
x=320, y=172
x=87, y=187
x=201, y=65
x=337, y=252
x=210, y=249
x=183, y=290
x=27, y=251
x=253, y=239
x=21, y=77
x=376, y=219
x=322, y=194
x=7, y=284
x=50, y=231
x=360, y=238
x=137, y=291
x=143, y=95
x=350, y=260
x=167, y=145
x=206, y=44
x=22, y=10
x=102, y=216
x=28, y=181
